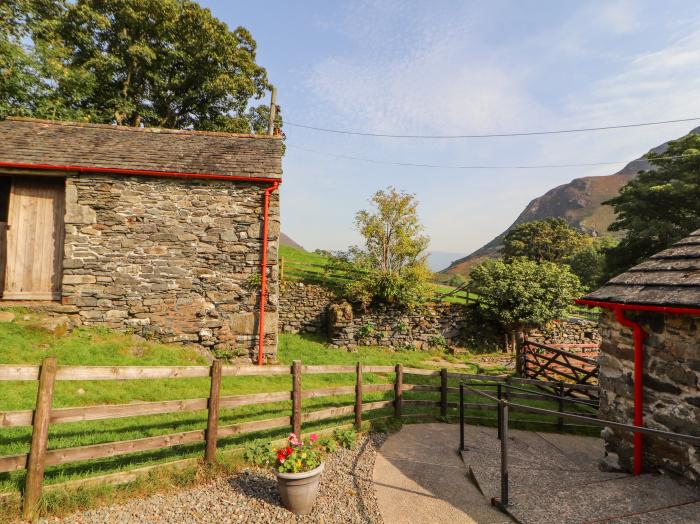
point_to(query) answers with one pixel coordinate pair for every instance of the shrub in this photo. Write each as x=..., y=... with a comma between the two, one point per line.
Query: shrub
x=258, y=453
x=437, y=341
x=346, y=437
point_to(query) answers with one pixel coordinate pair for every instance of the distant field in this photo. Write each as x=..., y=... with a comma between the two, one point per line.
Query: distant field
x=311, y=268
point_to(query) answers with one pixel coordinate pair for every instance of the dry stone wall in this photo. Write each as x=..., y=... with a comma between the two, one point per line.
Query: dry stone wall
x=173, y=258
x=303, y=308
x=671, y=394
x=572, y=331
x=314, y=309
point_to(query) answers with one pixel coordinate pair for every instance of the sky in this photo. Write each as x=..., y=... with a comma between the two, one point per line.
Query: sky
x=457, y=67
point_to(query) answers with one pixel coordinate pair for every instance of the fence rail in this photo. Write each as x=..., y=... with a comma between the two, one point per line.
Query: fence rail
x=40, y=419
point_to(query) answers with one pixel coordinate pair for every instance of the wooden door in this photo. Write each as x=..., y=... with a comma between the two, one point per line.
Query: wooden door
x=34, y=259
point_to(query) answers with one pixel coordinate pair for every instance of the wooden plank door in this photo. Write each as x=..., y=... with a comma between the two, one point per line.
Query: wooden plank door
x=34, y=259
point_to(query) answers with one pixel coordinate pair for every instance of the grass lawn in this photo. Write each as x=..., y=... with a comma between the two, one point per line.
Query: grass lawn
x=20, y=344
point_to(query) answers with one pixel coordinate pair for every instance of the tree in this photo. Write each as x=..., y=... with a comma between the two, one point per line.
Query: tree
x=391, y=267
x=660, y=206
x=589, y=262
x=548, y=240
x=524, y=294
x=166, y=63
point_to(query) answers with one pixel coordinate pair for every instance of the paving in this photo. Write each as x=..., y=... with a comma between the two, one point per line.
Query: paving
x=553, y=478
x=419, y=477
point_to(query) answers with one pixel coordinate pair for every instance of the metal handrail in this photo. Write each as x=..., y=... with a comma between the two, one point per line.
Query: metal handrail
x=589, y=403
x=505, y=405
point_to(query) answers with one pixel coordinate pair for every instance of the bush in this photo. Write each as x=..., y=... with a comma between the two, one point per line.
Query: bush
x=524, y=294
x=259, y=453
x=346, y=437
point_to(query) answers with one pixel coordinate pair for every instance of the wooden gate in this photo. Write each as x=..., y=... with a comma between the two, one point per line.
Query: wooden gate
x=34, y=253
x=544, y=362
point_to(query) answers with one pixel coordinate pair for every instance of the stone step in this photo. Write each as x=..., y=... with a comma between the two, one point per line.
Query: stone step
x=619, y=500
x=530, y=449
x=523, y=480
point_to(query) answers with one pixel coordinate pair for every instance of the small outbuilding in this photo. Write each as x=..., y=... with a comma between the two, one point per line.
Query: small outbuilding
x=171, y=233
x=650, y=359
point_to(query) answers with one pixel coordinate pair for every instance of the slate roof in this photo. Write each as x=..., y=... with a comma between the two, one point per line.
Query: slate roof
x=669, y=278
x=30, y=141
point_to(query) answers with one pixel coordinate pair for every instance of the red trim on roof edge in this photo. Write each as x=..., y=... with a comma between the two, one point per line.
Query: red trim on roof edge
x=140, y=172
x=639, y=307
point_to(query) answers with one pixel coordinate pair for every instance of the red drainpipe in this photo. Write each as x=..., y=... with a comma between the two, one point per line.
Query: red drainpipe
x=263, y=274
x=274, y=184
x=638, y=336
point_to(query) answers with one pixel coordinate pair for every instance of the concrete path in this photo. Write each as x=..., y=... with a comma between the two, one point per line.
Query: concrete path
x=554, y=479
x=419, y=477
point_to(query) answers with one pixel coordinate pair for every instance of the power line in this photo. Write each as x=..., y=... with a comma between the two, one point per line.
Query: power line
x=493, y=135
x=443, y=166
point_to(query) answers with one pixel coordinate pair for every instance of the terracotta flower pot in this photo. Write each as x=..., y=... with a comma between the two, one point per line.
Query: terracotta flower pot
x=299, y=490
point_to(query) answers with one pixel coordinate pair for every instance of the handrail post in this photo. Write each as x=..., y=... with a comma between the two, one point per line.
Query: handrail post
x=358, y=397
x=499, y=395
x=560, y=393
x=443, y=392
x=461, y=416
x=296, y=398
x=40, y=437
x=398, y=389
x=503, y=409
x=213, y=412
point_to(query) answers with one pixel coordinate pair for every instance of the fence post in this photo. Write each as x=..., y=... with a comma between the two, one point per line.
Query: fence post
x=296, y=398
x=443, y=392
x=503, y=410
x=398, y=388
x=519, y=358
x=358, y=398
x=461, y=416
x=40, y=437
x=213, y=412
x=560, y=393
x=499, y=395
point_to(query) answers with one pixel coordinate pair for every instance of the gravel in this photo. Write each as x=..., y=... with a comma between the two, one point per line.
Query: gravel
x=346, y=495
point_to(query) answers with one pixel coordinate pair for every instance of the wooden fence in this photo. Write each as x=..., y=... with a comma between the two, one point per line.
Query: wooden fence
x=540, y=361
x=40, y=457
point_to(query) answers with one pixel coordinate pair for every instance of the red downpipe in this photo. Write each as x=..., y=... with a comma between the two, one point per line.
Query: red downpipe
x=263, y=275
x=274, y=184
x=638, y=336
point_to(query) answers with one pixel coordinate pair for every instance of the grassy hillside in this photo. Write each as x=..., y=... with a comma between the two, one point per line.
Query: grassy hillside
x=310, y=268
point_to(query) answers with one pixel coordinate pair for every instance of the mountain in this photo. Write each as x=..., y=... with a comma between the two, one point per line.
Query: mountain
x=580, y=203
x=285, y=240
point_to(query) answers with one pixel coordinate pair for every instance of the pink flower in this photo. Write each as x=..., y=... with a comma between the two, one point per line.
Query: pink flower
x=294, y=440
x=313, y=437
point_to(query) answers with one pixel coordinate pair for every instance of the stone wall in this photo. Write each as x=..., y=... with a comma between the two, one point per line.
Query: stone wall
x=430, y=326
x=303, y=308
x=571, y=331
x=671, y=395
x=173, y=258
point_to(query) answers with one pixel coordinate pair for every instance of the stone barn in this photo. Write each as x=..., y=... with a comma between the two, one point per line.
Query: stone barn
x=169, y=233
x=650, y=359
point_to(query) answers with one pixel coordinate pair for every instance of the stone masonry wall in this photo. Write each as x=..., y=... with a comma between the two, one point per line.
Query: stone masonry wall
x=430, y=326
x=572, y=331
x=173, y=258
x=671, y=394
x=303, y=308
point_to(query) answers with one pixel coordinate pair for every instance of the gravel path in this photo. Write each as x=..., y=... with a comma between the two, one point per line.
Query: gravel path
x=346, y=496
